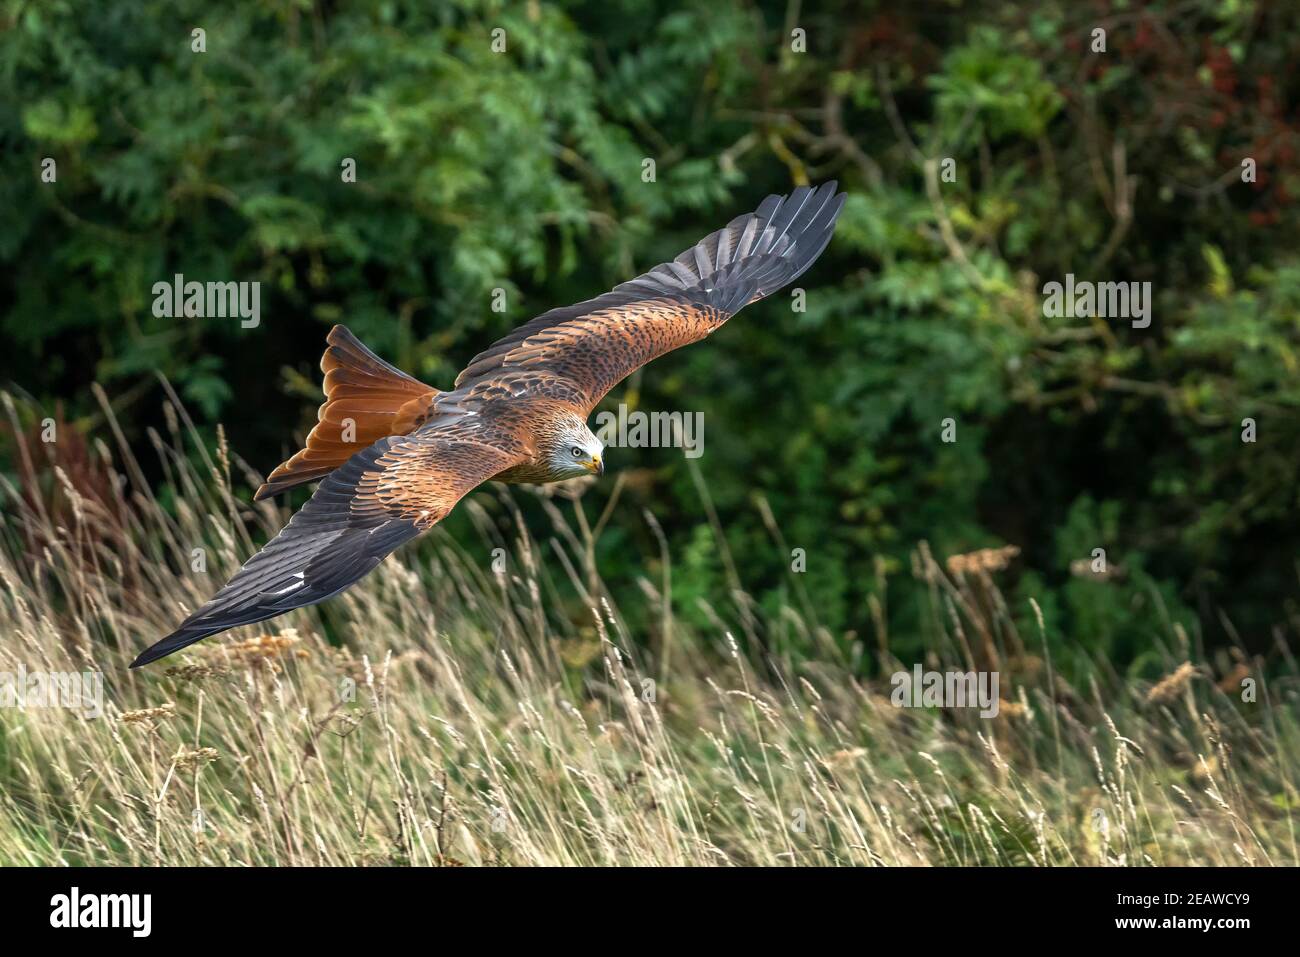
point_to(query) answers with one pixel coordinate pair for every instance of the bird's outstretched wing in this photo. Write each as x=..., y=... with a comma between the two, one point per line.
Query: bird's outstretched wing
x=383, y=496
x=598, y=343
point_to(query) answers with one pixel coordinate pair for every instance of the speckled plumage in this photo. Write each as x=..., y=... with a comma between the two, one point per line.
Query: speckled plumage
x=515, y=414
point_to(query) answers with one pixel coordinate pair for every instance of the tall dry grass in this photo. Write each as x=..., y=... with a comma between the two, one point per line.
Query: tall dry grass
x=471, y=717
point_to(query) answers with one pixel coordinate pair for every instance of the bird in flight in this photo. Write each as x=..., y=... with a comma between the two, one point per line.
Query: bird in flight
x=517, y=413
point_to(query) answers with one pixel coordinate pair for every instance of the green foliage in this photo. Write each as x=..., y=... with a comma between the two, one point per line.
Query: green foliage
x=522, y=171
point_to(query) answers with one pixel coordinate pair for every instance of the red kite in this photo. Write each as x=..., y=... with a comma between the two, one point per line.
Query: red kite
x=517, y=413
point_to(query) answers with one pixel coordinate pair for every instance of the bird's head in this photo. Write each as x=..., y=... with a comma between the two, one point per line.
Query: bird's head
x=573, y=450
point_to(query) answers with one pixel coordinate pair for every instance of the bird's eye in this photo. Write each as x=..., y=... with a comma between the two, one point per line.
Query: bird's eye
x=577, y=452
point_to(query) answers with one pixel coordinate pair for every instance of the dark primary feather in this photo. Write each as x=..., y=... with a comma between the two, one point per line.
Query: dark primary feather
x=751, y=257
x=380, y=498
x=324, y=548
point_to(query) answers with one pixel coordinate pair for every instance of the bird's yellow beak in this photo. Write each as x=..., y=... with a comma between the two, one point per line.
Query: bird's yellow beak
x=596, y=466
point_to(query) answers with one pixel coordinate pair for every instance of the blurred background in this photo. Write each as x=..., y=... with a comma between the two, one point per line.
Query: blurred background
x=522, y=170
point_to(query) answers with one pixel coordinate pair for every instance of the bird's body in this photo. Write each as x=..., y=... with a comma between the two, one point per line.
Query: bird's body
x=394, y=455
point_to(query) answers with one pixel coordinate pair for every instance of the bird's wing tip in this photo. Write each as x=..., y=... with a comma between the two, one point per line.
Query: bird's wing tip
x=143, y=658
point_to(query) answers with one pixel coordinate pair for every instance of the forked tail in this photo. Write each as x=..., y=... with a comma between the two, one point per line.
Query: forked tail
x=365, y=400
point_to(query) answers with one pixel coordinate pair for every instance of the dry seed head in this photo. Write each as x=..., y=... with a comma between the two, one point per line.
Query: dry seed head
x=1168, y=687
x=195, y=672
x=191, y=760
x=145, y=715
x=263, y=648
x=843, y=756
x=984, y=560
